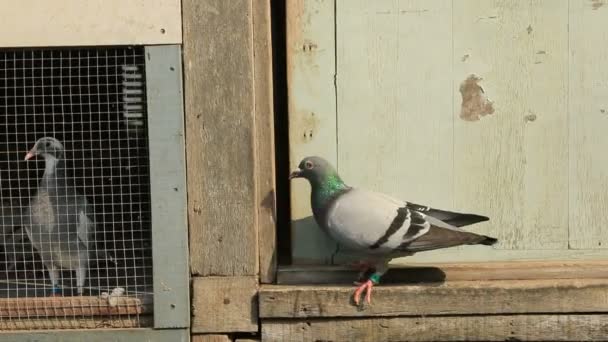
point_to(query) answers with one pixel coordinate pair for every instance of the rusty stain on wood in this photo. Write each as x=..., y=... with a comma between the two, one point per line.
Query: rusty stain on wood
x=475, y=102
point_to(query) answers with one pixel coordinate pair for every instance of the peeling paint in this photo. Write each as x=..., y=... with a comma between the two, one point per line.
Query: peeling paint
x=465, y=57
x=309, y=125
x=530, y=117
x=529, y=29
x=596, y=4
x=541, y=52
x=475, y=102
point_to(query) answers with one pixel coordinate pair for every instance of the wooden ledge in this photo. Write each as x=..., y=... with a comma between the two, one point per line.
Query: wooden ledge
x=449, y=298
x=39, y=307
x=515, y=270
x=568, y=327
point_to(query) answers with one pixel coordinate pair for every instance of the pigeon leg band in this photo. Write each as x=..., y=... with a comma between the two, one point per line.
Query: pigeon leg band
x=375, y=278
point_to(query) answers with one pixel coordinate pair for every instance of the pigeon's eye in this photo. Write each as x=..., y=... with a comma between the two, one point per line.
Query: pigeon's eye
x=308, y=165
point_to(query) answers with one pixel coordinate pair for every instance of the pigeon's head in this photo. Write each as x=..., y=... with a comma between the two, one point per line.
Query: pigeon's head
x=314, y=169
x=46, y=147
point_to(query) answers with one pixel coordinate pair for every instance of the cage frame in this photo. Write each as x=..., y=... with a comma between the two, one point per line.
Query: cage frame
x=170, y=253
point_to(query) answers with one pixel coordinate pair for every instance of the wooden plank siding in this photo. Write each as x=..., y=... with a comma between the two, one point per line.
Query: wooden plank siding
x=588, y=139
x=90, y=23
x=449, y=298
x=264, y=140
x=230, y=161
x=530, y=161
x=563, y=327
x=513, y=165
x=312, y=111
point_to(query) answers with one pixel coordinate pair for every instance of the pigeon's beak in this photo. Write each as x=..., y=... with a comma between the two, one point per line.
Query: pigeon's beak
x=295, y=174
x=29, y=155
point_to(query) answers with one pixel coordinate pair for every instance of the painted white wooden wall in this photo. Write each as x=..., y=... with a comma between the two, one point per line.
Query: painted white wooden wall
x=374, y=88
x=28, y=23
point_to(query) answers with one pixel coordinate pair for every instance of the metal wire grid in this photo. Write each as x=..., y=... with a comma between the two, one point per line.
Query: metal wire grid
x=93, y=102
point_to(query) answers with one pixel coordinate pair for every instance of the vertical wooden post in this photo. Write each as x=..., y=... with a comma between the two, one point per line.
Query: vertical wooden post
x=230, y=159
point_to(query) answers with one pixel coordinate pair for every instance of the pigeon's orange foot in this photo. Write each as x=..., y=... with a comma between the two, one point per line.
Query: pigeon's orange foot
x=367, y=287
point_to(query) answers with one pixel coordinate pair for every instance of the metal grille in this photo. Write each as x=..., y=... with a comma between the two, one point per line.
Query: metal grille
x=92, y=102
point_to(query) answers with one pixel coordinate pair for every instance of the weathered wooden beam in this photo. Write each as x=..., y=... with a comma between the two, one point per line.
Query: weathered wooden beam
x=451, y=298
x=224, y=304
x=98, y=322
x=219, y=102
x=210, y=338
x=68, y=307
x=416, y=273
x=264, y=140
x=452, y=328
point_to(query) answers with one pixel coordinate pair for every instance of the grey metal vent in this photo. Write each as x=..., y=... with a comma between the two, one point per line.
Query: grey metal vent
x=93, y=101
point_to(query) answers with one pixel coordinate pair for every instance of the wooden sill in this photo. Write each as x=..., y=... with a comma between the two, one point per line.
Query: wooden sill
x=68, y=306
x=448, y=298
x=461, y=289
x=424, y=273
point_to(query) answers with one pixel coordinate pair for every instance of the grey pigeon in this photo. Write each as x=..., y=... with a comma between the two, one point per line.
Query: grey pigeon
x=60, y=225
x=378, y=226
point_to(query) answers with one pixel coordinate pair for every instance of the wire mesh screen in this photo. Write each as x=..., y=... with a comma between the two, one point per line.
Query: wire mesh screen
x=75, y=221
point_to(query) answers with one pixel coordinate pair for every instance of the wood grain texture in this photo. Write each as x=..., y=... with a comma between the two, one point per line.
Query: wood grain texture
x=512, y=165
x=101, y=335
x=100, y=322
x=456, y=328
x=451, y=298
x=264, y=140
x=224, y=304
x=68, y=307
x=219, y=97
x=312, y=113
x=394, y=115
x=92, y=22
x=529, y=270
x=210, y=338
x=588, y=139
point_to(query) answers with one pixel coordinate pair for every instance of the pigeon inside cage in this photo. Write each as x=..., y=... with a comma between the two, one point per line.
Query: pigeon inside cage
x=74, y=176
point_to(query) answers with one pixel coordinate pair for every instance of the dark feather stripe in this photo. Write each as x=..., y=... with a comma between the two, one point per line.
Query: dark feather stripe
x=417, y=223
x=402, y=214
x=449, y=217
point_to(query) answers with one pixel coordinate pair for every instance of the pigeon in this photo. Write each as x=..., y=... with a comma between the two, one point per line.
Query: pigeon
x=378, y=226
x=60, y=225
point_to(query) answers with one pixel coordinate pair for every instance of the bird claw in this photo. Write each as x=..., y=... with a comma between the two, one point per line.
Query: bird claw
x=367, y=286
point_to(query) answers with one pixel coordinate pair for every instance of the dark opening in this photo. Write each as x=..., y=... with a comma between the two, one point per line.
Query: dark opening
x=93, y=101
